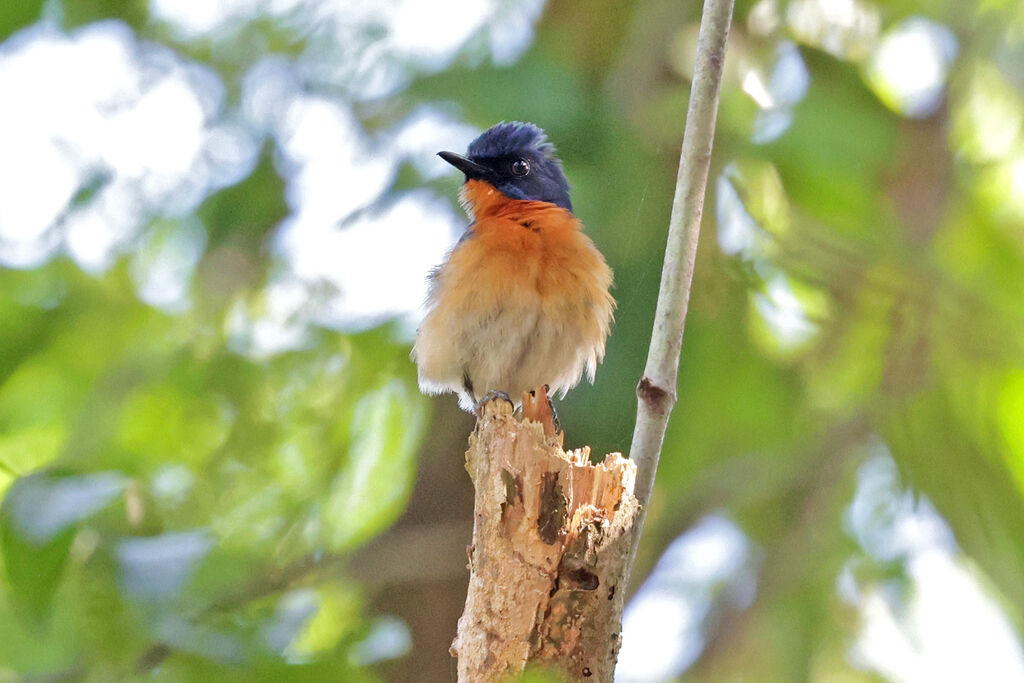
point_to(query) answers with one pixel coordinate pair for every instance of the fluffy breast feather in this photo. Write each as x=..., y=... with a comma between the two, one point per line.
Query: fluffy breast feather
x=524, y=301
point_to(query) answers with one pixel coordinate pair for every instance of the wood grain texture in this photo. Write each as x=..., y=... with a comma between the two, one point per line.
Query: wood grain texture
x=550, y=534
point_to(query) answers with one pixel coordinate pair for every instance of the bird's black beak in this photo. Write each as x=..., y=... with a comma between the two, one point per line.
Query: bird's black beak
x=467, y=166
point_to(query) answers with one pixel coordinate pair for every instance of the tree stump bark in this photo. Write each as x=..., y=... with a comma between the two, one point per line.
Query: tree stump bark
x=551, y=535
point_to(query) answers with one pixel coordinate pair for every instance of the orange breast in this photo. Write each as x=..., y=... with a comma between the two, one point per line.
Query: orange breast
x=523, y=302
x=526, y=249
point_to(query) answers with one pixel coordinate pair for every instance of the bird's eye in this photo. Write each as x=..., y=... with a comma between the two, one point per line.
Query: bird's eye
x=520, y=167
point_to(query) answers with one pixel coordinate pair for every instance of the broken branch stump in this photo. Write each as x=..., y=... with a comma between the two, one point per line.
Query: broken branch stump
x=551, y=535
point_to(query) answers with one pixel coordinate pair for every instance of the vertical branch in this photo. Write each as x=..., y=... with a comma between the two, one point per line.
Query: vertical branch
x=656, y=391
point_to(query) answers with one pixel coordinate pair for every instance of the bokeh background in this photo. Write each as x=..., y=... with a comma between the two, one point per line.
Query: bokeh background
x=216, y=219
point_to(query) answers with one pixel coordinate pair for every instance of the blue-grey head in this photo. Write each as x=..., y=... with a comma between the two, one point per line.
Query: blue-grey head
x=518, y=161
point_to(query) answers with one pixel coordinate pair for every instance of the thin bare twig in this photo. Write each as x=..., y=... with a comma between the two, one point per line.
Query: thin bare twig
x=656, y=391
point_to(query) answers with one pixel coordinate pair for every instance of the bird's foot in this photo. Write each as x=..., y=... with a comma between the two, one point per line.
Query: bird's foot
x=537, y=406
x=487, y=405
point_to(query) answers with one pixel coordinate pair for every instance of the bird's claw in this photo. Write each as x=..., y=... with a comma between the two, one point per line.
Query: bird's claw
x=489, y=398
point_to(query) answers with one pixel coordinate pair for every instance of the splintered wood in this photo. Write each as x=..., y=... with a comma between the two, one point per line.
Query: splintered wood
x=550, y=536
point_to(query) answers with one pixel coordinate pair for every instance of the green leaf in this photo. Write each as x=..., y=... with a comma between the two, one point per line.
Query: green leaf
x=27, y=449
x=337, y=615
x=372, y=487
x=15, y=15
x=37, y=525
x=80, y=12
x=1011, y=410
x=34, y=571
x=244, y=214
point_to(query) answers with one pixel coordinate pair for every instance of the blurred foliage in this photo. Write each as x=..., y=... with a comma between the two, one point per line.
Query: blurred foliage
x=179, y=505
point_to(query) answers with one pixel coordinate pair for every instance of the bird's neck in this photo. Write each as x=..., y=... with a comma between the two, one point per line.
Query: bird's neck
x=482, y=200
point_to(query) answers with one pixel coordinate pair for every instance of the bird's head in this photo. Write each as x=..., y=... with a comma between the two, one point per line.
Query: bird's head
x=518, y=161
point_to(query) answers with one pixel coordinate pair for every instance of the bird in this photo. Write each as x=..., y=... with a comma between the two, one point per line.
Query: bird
x=522, y=303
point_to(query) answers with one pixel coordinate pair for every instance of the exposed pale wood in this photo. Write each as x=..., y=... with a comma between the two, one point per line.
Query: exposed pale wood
x=550, y=535
x=537, y=407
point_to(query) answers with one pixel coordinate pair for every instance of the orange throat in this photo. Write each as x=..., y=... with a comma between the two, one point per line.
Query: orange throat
x=481, y=199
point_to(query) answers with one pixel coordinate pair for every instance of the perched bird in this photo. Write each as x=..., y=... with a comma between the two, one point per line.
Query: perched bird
x=522, y=302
